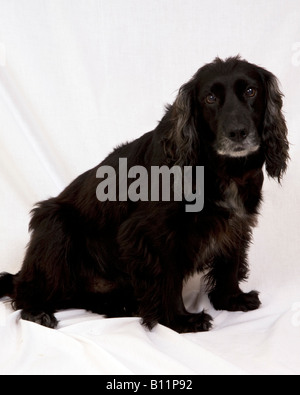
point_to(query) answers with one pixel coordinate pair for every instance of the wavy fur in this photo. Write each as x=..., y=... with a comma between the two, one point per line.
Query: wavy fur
x=131, y=258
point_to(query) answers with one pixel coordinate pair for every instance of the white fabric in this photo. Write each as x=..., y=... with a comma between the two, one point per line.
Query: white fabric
x=78, y=77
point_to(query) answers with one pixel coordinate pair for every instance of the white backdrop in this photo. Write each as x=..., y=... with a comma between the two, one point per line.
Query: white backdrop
x=78, y=77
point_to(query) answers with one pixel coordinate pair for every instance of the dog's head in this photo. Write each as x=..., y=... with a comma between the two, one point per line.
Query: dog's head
x=234, y=107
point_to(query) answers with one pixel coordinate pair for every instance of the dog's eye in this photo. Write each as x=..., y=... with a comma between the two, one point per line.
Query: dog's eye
x=250, y=92
x=211, y=98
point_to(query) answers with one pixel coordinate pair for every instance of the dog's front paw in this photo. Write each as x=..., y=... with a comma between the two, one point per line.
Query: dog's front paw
x=200, y=322
x=238, y=302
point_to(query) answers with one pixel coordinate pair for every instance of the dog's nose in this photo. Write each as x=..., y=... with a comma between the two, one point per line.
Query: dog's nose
x=237, y=135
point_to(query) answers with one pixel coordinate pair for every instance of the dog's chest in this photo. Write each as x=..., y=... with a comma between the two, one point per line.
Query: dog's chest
x=227, y=227
x=232, y=202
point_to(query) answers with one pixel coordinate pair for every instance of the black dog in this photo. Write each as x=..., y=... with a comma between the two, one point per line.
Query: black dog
x=122, y=258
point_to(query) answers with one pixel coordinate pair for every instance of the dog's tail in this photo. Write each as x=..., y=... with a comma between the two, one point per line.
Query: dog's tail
x=6, y=284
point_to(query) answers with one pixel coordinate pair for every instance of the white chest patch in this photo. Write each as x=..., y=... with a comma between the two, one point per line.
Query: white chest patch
x=232, y=201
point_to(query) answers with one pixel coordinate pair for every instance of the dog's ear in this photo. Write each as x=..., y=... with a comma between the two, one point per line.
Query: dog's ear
x=274, y=137
x=181, y=144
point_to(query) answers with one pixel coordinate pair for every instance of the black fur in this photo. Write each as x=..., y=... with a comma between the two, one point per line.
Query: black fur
x=131, y=258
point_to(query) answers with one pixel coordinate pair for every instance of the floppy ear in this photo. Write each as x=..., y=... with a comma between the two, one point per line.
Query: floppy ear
x=181, y=143
x=274, y=136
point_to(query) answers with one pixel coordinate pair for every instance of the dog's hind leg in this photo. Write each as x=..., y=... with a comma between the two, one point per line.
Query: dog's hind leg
x=48, y=274
x=155, y=267
x=40, y=317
